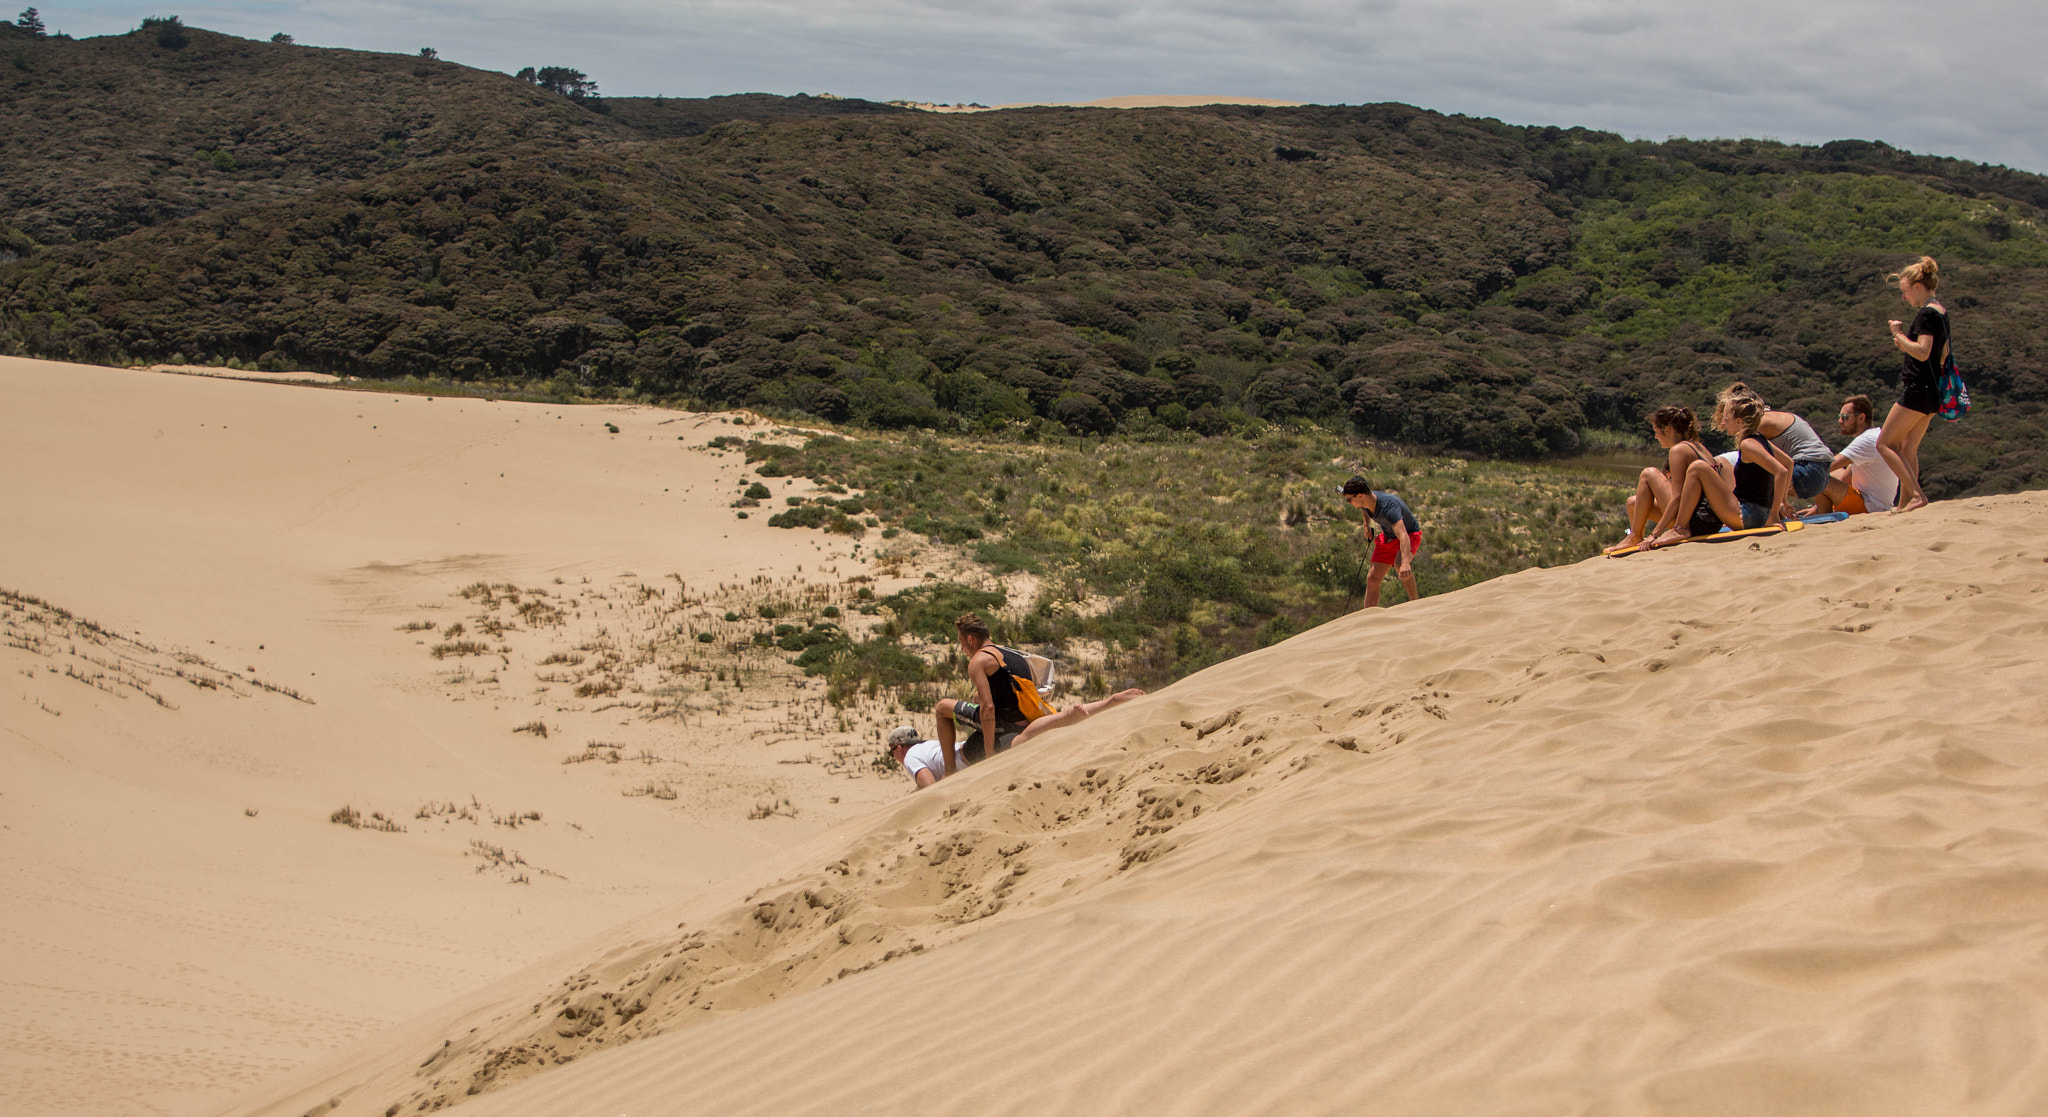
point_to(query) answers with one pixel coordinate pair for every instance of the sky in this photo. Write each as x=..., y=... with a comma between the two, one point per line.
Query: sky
x=1964, y=78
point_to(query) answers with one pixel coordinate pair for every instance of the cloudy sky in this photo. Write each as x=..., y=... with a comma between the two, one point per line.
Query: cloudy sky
x=1964, y=78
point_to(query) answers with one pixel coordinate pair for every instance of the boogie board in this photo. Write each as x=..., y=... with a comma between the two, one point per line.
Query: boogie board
x=1724, y=536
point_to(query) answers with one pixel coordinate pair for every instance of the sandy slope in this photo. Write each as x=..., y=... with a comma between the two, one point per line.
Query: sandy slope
x=1758, y=828
x=180, y=556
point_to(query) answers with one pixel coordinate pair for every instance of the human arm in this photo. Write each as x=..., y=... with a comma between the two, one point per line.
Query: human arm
x=978, y=668
x=1781, y=490
x=1407, y=546
x=925, y=778
x=1920, y=345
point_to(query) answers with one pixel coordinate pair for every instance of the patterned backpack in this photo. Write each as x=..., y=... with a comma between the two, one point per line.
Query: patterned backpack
x=1950, y=389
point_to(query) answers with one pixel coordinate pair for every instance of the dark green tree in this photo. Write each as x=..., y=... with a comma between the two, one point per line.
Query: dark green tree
x=281, y=39
x=429, y=52
x=169, y=31
x=571, y=83
x=31, y=21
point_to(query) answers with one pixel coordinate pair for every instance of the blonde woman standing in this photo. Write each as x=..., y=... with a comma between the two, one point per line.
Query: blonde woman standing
x=1924, y=345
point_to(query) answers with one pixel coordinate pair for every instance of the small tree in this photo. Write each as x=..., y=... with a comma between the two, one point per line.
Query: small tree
x=169, y=31
x=429, y=52
x=281, y=39
x=574, y=84
x=31, y=21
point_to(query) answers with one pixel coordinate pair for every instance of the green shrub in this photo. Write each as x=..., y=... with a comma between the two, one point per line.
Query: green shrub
x=930, y=610
x=876, y=662
x=1340, y=568
x=809, y=515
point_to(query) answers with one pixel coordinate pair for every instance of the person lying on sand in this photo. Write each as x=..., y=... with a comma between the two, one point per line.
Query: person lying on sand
x=1678, y=431
x=1859, y=480
x=925, y=762
x=1400, y=538
x=919, y=757
x=1074, y=714
x=1754, y=496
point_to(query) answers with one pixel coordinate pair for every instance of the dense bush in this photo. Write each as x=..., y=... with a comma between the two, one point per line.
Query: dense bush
x=1438, y=281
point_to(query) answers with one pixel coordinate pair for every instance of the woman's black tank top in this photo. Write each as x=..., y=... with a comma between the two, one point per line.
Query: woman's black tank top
x=1753, y=483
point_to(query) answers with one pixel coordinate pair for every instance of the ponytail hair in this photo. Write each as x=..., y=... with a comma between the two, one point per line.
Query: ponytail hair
x=1738, y=390
x=1742, y=410
x=1924, y=272
x=1679, y=420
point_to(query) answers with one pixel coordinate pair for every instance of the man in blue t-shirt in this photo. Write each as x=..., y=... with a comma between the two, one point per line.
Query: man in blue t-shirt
x=1399, y=541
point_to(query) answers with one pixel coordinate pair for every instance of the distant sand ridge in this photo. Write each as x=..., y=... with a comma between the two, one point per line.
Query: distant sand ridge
x=1759, y=828
x=1137, y=101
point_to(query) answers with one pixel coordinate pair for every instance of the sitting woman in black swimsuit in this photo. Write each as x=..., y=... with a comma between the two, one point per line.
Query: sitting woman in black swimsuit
x=1678, y=431
x=1751, y=498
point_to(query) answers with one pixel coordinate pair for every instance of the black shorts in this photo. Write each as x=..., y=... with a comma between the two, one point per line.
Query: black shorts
x=967, y=715
x=1705, y=521
x=1916, y=393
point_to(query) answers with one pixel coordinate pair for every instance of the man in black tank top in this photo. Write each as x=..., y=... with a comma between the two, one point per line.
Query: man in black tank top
x=993, y=714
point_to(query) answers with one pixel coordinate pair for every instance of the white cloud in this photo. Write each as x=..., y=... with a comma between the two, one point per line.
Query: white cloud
x=1958, y=79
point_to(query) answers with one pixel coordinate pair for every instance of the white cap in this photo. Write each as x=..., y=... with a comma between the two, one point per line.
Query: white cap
x=903, y=735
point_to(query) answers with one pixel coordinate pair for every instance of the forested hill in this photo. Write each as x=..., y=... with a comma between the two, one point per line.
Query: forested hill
x=1438, y=280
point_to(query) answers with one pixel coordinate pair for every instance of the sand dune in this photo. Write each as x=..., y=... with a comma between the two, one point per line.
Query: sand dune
x=205, y=591
x=1754, y=829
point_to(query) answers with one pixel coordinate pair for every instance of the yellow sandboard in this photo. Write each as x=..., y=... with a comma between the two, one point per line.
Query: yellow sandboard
x=1724, y=536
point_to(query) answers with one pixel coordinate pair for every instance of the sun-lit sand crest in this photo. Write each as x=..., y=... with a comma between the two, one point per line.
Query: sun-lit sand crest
x=1756, y=828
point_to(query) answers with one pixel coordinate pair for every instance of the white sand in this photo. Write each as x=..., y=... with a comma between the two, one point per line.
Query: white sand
x=163, y=948
x=1757, y=828
x=1750, y=829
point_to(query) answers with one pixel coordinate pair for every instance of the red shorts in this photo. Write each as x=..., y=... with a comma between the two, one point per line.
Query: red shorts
x=1388, y=549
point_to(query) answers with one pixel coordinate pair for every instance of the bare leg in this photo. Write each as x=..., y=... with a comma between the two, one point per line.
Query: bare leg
x=1838, y=489
x=1652, y=496
x=1912, y=455
x=943, y=711
x=1374, y=575
x=1702, y=479
x=1679, y=528
x=1899, y=445
x=1719, y=489
x=1408, y=583
x=1078, y=712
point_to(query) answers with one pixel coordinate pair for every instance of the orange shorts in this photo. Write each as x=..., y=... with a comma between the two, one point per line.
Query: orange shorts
x=1852, y=504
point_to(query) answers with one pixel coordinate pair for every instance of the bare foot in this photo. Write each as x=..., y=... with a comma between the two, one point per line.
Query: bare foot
x=1667, y=539
x=1912, y=505
x=1124, y=696
x=1627, y=541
